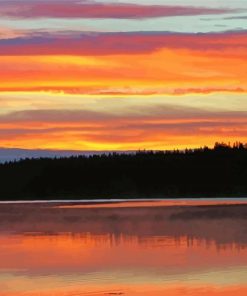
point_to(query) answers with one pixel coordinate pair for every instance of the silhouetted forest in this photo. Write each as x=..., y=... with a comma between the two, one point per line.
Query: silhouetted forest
x=204, y=172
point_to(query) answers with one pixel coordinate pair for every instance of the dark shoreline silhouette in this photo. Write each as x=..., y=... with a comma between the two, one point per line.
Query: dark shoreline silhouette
x=203, y=172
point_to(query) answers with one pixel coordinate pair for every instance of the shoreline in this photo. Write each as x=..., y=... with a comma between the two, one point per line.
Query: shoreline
x=142, y=202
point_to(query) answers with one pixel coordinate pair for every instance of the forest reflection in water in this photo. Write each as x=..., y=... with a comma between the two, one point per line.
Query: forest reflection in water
x=152, y=249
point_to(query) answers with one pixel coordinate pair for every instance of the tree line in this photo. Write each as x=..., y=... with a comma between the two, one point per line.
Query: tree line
x=205, y=172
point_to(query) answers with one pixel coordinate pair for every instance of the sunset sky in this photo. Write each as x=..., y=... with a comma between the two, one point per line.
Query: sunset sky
x=122, y=75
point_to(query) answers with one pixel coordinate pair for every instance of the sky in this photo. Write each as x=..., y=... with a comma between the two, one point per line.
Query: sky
x=122, y=75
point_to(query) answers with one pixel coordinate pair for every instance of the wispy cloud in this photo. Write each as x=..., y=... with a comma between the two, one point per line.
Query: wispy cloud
x=148, y=127
x=91, y=9
x=72, y=43
x=126, y=63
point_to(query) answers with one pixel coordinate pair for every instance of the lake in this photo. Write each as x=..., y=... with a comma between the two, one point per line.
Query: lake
x=148, y=248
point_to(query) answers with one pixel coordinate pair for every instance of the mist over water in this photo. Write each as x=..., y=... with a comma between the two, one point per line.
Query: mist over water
x=123, y=248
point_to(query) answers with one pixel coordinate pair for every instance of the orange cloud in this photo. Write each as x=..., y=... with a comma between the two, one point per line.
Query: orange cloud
x=164, y=71
x=156, y=127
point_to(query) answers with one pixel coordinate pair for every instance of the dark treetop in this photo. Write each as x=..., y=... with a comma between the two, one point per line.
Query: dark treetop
x=204, y=172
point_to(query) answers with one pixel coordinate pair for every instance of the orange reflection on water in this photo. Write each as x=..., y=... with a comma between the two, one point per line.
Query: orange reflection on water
x=138, y=290
x=155, y=203
x=86, y=253
x=150, y=260
x=105, y=265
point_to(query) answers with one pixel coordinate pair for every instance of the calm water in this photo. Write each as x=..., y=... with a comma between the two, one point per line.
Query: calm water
x=140, y=248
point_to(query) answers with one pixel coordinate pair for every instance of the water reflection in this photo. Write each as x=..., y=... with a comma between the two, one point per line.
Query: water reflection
x=193, y=250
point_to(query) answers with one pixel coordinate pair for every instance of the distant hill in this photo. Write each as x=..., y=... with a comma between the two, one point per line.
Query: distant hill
x=204, y=172
x=7, y=154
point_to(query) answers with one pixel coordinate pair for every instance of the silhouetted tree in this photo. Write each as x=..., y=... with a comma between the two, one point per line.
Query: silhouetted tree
x=203, y=172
